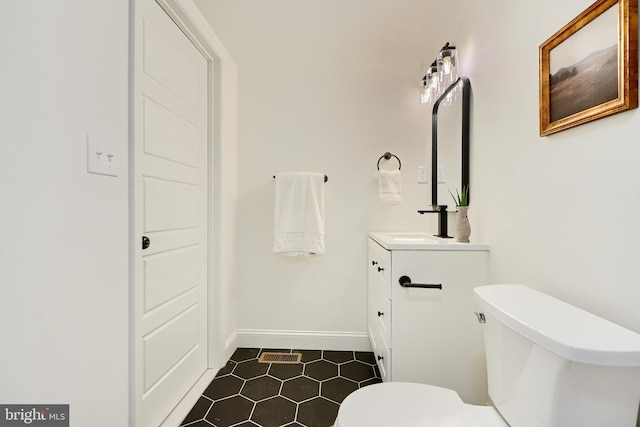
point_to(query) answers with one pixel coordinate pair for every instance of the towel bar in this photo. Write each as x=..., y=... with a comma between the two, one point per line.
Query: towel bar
x=387, y=156
x=325, y=178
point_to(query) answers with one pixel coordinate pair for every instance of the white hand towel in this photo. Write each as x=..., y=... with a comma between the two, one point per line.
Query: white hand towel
x=389, y=186
x=299, y=214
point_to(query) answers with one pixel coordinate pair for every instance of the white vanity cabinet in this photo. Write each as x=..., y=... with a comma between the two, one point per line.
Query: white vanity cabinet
x=428, y=335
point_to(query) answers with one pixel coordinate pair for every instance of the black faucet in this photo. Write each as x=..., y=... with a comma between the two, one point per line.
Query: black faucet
x=442, y=220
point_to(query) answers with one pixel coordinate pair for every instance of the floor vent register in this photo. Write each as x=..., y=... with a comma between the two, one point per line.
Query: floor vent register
x=280, y=358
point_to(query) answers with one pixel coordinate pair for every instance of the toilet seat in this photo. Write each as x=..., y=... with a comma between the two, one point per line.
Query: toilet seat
x=412, y=405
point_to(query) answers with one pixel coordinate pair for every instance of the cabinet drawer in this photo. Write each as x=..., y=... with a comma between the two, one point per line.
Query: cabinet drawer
x=380, y=314
x=382, y=354
x=380, y=267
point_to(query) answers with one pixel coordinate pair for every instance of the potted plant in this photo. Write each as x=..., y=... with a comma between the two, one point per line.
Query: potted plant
x=461, y=197
x=463, y=228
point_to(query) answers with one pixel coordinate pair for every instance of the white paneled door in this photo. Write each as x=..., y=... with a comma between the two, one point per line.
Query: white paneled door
x=170, y=204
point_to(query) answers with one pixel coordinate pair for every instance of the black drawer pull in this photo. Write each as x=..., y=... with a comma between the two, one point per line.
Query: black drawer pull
x=405, y=282
x=380, y=357
x=374, y=262
x=380, y=269
x=380, y=314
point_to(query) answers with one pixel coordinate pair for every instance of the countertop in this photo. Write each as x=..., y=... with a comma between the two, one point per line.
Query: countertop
x=418, y=240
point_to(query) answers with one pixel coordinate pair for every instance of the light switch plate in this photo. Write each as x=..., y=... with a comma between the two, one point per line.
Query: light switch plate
x=423, y=178
x=442, y=175
x=101, y=157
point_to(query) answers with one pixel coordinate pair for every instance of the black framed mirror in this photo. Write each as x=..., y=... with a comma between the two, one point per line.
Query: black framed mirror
x=444, y=159
x=444, y=150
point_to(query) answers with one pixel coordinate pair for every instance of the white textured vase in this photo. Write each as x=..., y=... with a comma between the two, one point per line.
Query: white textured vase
x=463, y=228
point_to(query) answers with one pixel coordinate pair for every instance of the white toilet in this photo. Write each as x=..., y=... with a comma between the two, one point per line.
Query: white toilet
x=549, y=364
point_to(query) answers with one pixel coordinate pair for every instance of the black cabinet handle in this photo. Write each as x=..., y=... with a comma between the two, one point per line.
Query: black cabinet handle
x=380, y=357
x=380, y=314
x=380, y=269
x=374, y=262
x=405, y=282
x=146, y=242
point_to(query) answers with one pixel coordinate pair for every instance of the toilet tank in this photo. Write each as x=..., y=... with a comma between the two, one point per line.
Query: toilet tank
x=550, y=364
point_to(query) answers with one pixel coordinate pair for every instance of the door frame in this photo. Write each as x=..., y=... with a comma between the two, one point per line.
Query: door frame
x=190, y=21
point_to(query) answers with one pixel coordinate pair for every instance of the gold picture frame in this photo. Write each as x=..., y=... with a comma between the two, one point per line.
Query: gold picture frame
x=589, y=68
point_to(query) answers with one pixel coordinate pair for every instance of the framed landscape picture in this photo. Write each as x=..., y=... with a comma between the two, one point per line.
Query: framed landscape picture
x=589, y=68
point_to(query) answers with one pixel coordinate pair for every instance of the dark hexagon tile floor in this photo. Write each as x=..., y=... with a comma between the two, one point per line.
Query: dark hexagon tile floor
x=246, y=393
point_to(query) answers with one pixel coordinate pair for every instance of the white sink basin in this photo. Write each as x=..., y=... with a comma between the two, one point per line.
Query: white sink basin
x=409, y=237
x=417, y=240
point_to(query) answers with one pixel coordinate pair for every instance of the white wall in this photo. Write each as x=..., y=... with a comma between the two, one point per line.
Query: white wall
x=558, y=211
x=326, y=87
x=64, y=232
x=330, y=86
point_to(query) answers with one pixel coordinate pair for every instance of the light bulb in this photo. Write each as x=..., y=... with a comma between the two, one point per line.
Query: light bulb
x=448, y=65
x=425, y=93
x=433, y=80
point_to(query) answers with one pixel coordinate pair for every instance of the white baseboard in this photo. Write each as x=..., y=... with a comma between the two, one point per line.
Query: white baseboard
x=177, y=415
x=231, y=344
x=302, y=340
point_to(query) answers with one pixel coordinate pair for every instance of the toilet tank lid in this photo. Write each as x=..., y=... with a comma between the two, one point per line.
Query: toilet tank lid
x=562, y=328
